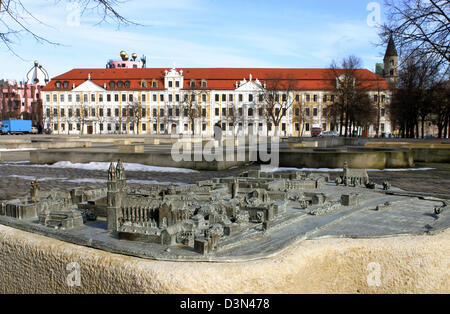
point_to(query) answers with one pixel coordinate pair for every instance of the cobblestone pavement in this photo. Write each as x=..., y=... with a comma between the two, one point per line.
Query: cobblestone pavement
x=15, y=178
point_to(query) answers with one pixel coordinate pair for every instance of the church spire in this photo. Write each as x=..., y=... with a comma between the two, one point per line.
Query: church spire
x=391, y=51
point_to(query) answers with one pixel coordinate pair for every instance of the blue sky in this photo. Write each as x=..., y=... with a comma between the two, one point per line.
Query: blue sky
x=200, y=33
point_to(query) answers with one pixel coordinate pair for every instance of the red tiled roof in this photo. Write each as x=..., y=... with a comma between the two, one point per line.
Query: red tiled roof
x=217, y=78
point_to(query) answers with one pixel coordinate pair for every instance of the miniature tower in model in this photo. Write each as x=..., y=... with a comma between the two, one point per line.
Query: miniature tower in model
x=114, y=195
x=391, y=64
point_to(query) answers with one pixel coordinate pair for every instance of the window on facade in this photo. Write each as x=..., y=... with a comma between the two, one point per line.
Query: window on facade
x=161, y=112
x=55, y=98
x=332, y=98
x=61, y=97
x=217, y=97
x=92, y=112
x=375, y=98
x=315, y=112
x=47, y=98
x=216, y=112
x=170, y=112
x=250, y=112
x=70, y=113
x=297, y=112
x=92, y=97
x=154, y=97
x=325, y=98
x=307, y=112
x=224, y=111
x=55, y=112
x=108, y=112
x=250, y=98
x=177, y=84
x=161, y=97
x=260, y=112
x=109, y=126
x=170, y=97
x=144, y=127
x=224, y=97
x=69, y=98
x=170, y=84
x=130, y=97
x=108, y=98
x=62, y=112
x=241, y=98
x=203, y=97
x=124, y=97
x=297, y=98
x=241, y=112
x=315, y=98
x=100, y=112
x=383, y=112
x=78, y=112
x=277, y=98
x=284, y=98
x=116, y=97
x=308, y=98
x=307, y=127
x=143, y=113
x=100, y=97
x=204, y=113
x=124, y=112
x=116, y=112
x=144, y=98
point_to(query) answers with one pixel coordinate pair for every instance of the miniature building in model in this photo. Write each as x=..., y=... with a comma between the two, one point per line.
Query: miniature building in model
x=354, y=177
x=201, y=215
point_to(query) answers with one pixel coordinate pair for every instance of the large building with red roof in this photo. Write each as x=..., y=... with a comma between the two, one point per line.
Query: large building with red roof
x=127, y=98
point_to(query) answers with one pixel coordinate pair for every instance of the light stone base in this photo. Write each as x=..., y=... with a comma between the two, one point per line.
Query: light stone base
x=131, y=149
x=32, y=263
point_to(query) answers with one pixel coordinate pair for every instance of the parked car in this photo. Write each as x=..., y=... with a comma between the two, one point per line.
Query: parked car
x=329, y=134
x=316, y=132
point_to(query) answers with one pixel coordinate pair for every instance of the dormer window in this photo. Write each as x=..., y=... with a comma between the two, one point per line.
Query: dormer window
x=127, y=84
x=192, y=83
x=204, y=84
x=112, y=85
x=155, y=84
x=119, y=84
x=66, y=84
x=143, y=84
x=58, y=85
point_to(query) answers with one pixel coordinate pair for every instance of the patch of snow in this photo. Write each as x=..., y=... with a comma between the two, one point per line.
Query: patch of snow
x=17, y=149
x=104, y=166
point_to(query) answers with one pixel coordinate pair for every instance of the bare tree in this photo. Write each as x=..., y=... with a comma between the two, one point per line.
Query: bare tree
x=347, y=84
x=412, y=101
x=440, y=100
x=420, y=28
x=16, y=16
x=191, y=105
x=276, y=98
x=134, y=114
